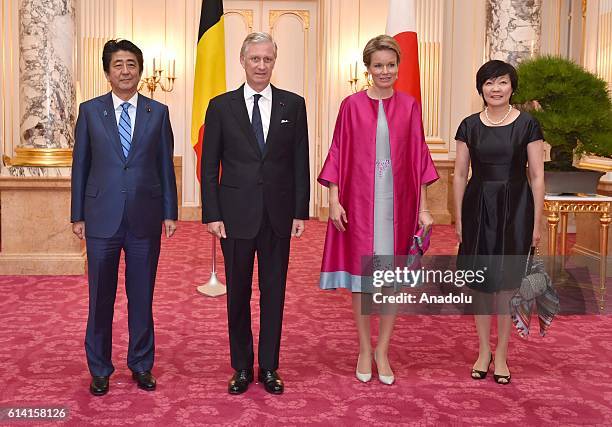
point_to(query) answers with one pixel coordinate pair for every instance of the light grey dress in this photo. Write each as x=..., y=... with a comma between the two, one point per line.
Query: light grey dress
x=383, y=217
x=383, y=188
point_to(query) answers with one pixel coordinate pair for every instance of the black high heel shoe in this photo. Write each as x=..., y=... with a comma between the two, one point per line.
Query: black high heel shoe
x=498, y=379
x=481, y=374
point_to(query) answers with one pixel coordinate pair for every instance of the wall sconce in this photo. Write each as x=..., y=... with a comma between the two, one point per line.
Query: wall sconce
x=354, y=78
x=152, y=79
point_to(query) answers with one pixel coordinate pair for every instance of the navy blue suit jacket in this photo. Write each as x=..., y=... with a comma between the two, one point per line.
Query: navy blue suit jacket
x=104, y=182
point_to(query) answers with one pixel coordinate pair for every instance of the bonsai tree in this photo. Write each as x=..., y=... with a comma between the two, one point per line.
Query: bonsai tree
x=572, y=105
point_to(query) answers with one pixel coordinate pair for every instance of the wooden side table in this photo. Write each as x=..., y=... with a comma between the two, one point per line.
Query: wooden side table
x=557, y=208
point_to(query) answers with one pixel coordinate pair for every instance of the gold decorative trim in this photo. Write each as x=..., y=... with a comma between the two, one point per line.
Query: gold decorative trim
x=583, y=25
x=438, y=150
x=430, y=70
x=302, y=15
x=245, y=14
x=444, y=164
x=436, y=145
x=559, y=5
x=434, y=141
x=40, y=157
x=580, y=250
x=577, y=206
x=595, y=163
x=557, y=212
x=594, y=166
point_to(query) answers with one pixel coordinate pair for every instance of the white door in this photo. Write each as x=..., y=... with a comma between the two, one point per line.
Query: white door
x=293, y=24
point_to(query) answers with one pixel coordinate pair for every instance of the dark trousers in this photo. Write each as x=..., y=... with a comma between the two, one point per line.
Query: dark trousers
x=273, y=260
x=141, y=257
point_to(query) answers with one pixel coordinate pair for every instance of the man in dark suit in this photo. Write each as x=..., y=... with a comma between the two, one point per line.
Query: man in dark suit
x=259, y=135
x=123, y=190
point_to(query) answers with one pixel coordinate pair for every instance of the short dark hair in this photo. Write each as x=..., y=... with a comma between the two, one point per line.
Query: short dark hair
x=492, y=69
x=116, y=45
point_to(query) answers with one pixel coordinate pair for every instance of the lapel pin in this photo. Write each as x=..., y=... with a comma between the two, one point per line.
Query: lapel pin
x=148, y=108
x=105, y=113
x=282, y=104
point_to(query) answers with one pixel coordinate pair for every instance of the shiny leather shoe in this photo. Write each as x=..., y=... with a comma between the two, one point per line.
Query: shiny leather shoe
x=502, y=379
x=385, y=379
x=145, y=380
x=481, y=375
x=239, y=383
x=363, y=377
x=271, y=380
x=99, y=386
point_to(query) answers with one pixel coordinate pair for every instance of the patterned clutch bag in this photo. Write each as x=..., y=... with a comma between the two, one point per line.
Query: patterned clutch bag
x=421, y=242
x=536, y=293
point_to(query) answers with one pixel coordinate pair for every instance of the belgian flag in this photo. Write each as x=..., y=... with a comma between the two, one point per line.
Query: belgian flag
x=209, y=78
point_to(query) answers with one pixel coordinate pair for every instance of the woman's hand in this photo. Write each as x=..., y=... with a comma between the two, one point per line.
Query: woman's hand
x=337, y=215
x=425, y=219
x=536, y=237
x=458, y=230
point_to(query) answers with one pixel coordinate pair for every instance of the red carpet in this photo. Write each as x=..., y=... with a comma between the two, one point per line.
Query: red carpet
x=563, y=379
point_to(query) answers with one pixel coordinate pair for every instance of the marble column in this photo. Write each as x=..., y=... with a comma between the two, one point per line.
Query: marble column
x=36, y=236
x=46, y=80
x=513, y=29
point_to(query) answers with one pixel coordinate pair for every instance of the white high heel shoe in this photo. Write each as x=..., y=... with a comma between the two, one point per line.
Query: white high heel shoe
x=385, y=379
x=364, y=378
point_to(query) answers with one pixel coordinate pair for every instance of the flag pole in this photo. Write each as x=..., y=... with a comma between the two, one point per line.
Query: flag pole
x=209, y=81
x=214, y=287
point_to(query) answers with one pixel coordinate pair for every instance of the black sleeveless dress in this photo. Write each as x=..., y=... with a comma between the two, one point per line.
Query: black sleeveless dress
x=497, y=210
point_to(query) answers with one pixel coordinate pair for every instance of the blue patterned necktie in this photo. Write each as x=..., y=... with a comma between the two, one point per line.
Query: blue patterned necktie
x=125, y=129
x=256, y=123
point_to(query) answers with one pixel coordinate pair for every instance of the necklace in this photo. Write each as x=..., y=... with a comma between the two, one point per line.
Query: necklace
x=500, y=121
x=374, y=94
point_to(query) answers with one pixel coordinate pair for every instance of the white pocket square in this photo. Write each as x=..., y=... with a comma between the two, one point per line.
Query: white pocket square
x=284, y=121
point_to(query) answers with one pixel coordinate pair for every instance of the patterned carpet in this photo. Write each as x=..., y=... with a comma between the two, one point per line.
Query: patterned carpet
x=564, y=379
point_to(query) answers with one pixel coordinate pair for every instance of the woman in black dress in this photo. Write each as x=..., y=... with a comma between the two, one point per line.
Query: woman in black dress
x=498, y=212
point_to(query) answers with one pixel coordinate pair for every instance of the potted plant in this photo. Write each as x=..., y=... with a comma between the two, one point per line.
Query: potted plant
x=574, y=109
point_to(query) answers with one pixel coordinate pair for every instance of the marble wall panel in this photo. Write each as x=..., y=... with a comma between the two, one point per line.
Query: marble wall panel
x=46, y=92
x=513, y=29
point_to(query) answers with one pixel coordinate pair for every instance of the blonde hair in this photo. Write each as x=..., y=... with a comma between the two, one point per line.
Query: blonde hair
x=382, y=42
x=257, y=38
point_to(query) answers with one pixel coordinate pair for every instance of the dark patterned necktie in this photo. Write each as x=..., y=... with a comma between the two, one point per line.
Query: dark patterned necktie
x=257, y=124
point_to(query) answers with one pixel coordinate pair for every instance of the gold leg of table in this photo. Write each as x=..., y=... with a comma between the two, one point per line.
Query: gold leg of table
x=604, y=222
x=563, y=237
x=553, y=221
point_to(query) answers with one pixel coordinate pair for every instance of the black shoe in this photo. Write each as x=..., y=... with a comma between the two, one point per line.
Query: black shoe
x=481, y=375
x=502, y=379
x=239, y=383
x=98, y=386
x=145, y=380
x=271, y=380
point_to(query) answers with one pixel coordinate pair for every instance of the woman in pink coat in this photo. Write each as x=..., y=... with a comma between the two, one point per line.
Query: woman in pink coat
x=377, y=170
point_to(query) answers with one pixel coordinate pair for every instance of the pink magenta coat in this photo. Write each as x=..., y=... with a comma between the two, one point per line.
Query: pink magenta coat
x=351, y=163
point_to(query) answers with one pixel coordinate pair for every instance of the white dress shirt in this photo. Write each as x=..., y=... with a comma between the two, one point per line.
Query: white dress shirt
x=265, y=105
x=131, y=110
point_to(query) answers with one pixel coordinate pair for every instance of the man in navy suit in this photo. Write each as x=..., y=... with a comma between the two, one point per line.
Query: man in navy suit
x=259, y=135
x=123, y=193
